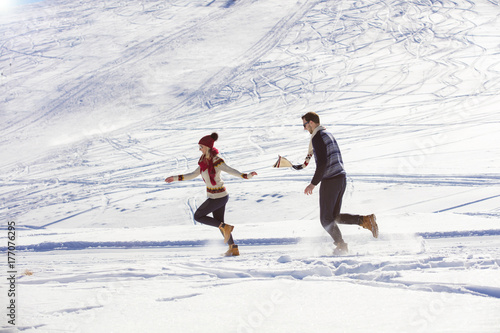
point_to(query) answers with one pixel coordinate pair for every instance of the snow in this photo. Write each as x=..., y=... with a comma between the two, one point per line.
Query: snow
x=101, y=101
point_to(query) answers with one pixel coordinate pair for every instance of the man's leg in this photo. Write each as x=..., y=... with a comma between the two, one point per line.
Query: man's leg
x=330, y=202
x=349, y=219
x=338, y=186
x=366, y=221
x=344, y=218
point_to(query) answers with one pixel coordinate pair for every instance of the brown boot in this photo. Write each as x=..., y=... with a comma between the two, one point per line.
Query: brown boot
x=233, y=251
x=226, y=230
x=370, y=223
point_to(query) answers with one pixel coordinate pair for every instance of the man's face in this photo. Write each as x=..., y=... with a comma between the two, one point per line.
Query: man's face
x=307, y=126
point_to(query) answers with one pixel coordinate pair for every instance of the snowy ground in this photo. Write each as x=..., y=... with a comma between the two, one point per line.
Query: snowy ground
x=101, y=100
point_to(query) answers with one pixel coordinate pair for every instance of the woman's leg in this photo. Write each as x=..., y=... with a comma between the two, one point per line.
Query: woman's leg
x=219, y=216
x=211, y=206
x=217, y=207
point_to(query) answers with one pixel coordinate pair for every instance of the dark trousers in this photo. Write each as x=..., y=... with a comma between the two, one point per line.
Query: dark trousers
x=331, y=192
x=215, y=206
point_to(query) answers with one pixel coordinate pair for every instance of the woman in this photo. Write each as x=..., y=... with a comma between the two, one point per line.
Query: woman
x=210, y=167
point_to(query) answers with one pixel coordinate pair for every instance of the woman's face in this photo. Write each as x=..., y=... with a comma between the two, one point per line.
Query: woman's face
x=204, y=149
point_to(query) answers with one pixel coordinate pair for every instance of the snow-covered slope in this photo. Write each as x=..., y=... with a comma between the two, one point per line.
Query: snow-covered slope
x=100, y=101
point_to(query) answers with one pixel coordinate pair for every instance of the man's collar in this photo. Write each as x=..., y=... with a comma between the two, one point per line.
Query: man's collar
x=316, y=130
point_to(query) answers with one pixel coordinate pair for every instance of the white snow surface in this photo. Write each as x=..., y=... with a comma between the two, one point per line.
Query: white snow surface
x=100, y=101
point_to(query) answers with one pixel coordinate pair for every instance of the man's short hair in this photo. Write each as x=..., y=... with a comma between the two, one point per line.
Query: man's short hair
x=311, y=116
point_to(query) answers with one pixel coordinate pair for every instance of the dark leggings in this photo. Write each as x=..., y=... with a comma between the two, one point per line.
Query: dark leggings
x=215, y=206
x=331, y=192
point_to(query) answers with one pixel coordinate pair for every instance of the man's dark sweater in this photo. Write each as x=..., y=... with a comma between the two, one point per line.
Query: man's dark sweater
x=328, y=157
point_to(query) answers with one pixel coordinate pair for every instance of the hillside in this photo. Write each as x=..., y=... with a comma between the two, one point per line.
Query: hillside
x=103, y=100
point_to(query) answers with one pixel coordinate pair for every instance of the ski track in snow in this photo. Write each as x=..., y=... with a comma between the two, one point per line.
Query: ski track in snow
x=383, y=270
x=410, y=264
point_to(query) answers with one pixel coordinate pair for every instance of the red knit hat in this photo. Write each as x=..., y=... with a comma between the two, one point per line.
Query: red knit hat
x=208, y=140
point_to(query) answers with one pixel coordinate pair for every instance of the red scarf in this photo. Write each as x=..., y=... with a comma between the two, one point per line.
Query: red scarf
x=205, y=164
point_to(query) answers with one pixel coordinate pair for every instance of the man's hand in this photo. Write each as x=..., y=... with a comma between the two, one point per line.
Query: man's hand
x=309, y=189
x=169, y=179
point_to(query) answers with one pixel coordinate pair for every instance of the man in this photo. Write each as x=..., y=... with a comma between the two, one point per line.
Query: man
x=330, y=172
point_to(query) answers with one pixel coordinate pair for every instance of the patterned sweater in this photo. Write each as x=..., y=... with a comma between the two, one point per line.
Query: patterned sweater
x=329, y=162
x=218, y=190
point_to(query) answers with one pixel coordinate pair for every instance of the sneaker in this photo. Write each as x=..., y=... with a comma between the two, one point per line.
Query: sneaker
x=341, y=249
x=226, y=230
x=370, y=223
x=233, y=251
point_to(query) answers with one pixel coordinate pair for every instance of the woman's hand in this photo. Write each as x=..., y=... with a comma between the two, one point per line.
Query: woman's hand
x=253, y=173
x=169, y=179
